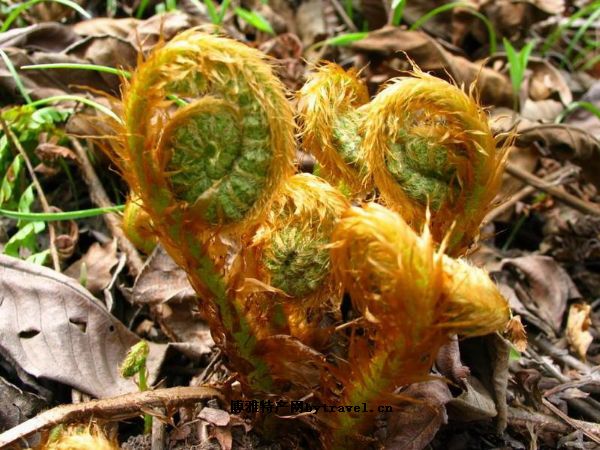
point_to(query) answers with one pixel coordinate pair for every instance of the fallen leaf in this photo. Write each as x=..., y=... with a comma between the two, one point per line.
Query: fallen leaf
x=544, y=287
x=17, y=406
x=448, y=362
x=55, y=329
x=578, y=325
x=516, y=333
x=98, y=260
x=429, y=55
x=162, y=281
x=214, y=416
x=475, y=403
x=417, y=421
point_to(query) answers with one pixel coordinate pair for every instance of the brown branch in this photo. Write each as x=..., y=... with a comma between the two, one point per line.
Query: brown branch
x=565, y=197
x=591, y=430
x=100, y=198
x=43, y=200
x=109, y=409
x=554, y=178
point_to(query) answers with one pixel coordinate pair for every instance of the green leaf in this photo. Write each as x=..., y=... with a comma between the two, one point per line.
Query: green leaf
x=255, y=19
x=213, y=14
x=398, y=8
x=346, y=39
x=25, y=202
x=9, y=179
x=39, y=258
x=25, y=237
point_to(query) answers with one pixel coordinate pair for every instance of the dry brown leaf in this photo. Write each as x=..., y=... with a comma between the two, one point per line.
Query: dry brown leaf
x=161, y=281
x=54, y=329
x=214, y=416
x=475, y=403
x=516, y=333
x=448, y=362
x=98, y=260
x=578, y=325
x=545, y=289
x=415, y=423
x=494, y=88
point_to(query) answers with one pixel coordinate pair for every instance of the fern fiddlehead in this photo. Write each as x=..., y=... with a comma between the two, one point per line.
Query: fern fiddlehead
x=329, y=108
x=292, y=248
x=422, y=142
x=209, y=168
x=428, y=143
x=411, y=298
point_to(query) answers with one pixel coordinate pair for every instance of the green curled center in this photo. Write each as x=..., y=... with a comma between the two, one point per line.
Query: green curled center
x=297, y=260
x=220, y=152
x=347, y=140
x=421, y=167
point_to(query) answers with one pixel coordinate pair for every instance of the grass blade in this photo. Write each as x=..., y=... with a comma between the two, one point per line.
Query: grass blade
x=80, y=99
x=70, y=215
x=23, y=6
x=16, y=77
x=95, y=67
x=255, y=19
x=440, y=9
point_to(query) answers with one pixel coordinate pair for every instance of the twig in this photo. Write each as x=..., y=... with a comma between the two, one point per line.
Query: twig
x=45, y=206
x=100, y=198
x=581, y=405
x=565, y=358
x=109, y=409
x=555, y=178
x=347, y=20
x=158, y=433
x=592, y=432
x=566, y=198
x=518, y=417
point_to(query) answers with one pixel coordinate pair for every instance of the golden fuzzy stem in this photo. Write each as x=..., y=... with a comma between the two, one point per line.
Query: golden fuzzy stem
x=412, y=298
x=210, y=167
x=137, y=225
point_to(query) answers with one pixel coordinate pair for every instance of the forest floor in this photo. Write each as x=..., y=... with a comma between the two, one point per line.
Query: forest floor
x=536, y=68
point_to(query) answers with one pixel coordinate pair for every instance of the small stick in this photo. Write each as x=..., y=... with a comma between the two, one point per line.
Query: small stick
x=100, y=198
x=347, y=20
x=565, y=197
x=45, y=206
x=584, y=427
x=554, y=178
x=109, y=409
x=565, y=358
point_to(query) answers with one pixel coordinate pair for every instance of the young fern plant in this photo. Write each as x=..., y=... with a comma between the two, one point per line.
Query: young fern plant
x=271, y=253
x=411, y=298
x=206, y=172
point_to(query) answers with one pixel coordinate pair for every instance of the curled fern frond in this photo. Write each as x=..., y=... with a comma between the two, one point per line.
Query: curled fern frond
x=428, y=144
x=329, y=107
x=411, y=298
x=219, y=160
x=207, y=171
x=291, y=247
